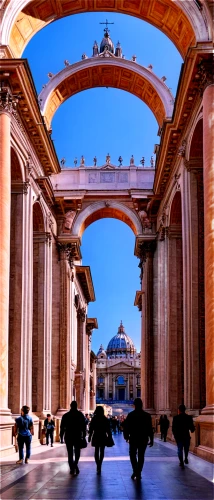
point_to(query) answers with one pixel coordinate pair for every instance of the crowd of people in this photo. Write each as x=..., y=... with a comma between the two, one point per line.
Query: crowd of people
x=136, y=428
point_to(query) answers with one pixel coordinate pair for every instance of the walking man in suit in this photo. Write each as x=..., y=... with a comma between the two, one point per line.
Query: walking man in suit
x=181, y=425
x=73, y=428
x=139, y=433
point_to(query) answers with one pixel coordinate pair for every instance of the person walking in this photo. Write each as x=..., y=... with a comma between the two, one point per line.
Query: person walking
x=138, y=433
x=99, y=432
x=49, y=427
x=181, y=426
x=164, y=426
x=73, y=429
x=24, y=429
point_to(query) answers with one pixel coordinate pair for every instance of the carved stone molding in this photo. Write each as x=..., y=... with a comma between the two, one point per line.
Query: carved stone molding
x=163, y=224
x=67, y=252
x=147, y=249
x=8, y=101
x=81, y=314
x=205, y=74
x=68, y=220
x=182, y=148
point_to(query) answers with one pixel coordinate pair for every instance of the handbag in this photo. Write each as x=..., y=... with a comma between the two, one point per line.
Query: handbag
x=83, y=443
x=109, y=442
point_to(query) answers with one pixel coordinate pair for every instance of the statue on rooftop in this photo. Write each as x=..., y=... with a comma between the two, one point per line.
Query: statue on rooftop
x=120, y=159
x=82, y=161
x=142, y=161
x=95, y=161
x=108, y=158
x=132, y=160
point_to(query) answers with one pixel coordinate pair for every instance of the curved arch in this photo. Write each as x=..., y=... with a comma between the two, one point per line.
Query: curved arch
x=109, y=72
x=181, y=21
x=38, y=218
x=16, y=167
x=101, y=210
x=195, y=146
x=175, y=210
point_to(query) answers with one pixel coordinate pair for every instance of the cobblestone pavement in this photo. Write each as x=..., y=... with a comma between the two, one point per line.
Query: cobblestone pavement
x=47, y=476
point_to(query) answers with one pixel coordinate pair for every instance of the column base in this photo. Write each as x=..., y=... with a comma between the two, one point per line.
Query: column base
x=60, y=412
x=204, y=437
x=208, y=410
x=6, y=432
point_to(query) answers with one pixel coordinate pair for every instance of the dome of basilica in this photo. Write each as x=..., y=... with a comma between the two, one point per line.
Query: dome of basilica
x=120, y=343
x=107, y=43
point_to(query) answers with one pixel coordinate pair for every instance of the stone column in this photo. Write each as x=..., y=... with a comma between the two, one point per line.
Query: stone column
x=147, y=380
x=65, y=334
x=79, y=375
x=42, y=320
x=208, y=156
x=6, y=107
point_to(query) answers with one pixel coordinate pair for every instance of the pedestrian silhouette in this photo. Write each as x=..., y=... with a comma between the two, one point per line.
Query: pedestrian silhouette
x=181, y=425
x=100, y=436
x=24, y=429
x=164, y=426
x=73, y=429
x=49, y=428
x=138, y=431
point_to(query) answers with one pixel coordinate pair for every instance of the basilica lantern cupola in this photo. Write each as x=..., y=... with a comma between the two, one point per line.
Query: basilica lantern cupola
x=106, y=43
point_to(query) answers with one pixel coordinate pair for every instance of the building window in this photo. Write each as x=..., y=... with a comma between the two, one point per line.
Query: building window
x=100, y=380
x=121, y=380
x=110, y=395
x=138, y=392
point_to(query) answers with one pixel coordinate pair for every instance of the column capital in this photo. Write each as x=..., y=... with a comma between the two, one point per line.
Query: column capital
x=67, y=251
x=204, y=74
x=81, y=314
x=8, y=100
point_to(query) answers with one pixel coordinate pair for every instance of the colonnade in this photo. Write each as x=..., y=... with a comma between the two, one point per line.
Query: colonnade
x=178, y=291
x=43, y=307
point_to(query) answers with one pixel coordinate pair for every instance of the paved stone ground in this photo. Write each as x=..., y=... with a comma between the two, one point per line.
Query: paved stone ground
x=47, y=476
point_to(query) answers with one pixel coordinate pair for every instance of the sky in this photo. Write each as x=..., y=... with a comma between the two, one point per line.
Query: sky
x=100, y=121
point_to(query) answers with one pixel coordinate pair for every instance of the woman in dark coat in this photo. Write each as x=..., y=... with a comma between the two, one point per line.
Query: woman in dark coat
x=99, y=431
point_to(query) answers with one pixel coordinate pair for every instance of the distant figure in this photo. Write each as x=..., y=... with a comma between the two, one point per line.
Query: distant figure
x=24, y=428
x=95, y=161
x=49, y=427
x=82, y=160
x=138, y=431
x=181, y=425
x=164, y=426
x=99, y=431
x=73, y=427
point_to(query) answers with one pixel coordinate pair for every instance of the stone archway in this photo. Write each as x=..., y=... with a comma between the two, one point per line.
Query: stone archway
x=109, y=72
x=103, y=209
x=181, y=22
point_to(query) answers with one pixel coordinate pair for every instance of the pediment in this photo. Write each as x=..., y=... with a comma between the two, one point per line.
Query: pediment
x=121, y=365
x=108, y=166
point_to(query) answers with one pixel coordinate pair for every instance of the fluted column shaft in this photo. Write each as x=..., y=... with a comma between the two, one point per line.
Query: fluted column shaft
x=5, y=204
x=208, y=157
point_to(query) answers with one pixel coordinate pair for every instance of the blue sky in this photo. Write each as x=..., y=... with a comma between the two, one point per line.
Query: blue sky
x=99, y=121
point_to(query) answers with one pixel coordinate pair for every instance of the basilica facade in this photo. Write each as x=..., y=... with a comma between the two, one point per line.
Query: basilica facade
x=46, y=357
x=118, y=370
